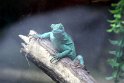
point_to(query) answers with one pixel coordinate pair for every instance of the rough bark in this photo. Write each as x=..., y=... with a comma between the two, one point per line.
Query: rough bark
x=40, y=53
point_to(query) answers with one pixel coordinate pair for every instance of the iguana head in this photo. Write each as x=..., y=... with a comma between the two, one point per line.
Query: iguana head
x=57, y=30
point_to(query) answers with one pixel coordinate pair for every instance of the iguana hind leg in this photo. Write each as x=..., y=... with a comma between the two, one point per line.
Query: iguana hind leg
x=79, y=58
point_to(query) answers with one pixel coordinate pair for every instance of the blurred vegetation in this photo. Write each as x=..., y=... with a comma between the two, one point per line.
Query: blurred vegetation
x=117, y=27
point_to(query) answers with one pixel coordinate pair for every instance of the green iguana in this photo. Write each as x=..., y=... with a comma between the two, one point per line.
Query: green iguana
x=62, y=42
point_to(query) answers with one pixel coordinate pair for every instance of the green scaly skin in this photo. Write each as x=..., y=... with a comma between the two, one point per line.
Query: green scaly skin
x=62, y=42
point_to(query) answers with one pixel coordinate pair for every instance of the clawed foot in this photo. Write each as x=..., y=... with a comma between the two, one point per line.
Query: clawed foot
x=32, y=36
x=77, y=65
x=80, y=66
x=35, y=36
x=55, y=59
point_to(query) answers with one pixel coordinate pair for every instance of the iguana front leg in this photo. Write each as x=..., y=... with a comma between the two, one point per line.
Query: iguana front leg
x=44, y=35
x=58, y=56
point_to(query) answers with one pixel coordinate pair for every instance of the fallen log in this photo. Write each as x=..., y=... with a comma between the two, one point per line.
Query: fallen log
x=40, y=52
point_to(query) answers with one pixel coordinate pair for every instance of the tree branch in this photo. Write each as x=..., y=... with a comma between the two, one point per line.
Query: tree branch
x=40, y=53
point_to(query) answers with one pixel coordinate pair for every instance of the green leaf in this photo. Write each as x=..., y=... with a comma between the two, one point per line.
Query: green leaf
x=122, y=22
x=122, y=67
x=116, y=11
x=112, y=52
x=114, y=4
x=114, y=74
x=113, y=42
x=111, y=21
x=113, y=25
x=122, y=29
x=109, y=30
x=119, y=53
x=109, y=78
x=116, y=42
x=120, y=3
x=113, y=62
x=117, y=16
x=116, y=31
x=116, y=53
x=118, y=25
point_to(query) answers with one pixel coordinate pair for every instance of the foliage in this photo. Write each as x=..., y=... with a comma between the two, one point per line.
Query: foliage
x=117, y=27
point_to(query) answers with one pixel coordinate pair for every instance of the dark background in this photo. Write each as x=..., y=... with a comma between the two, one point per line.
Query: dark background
x=84, y=20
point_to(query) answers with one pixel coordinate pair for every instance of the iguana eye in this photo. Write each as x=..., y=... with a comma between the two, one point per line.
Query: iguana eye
x=61, y=28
